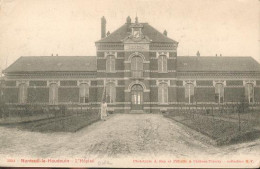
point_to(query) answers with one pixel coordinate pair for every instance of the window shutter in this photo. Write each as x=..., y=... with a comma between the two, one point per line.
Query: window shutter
x=165, y=93
x=160, y=64
x=160, y=93
x=187, y=91
x=164, y=64
x=22, y=93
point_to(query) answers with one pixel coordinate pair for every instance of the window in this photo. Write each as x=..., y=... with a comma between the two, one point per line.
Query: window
x=163, y=93
x=219, y=93
x=110, y=92
x=162, y=63
x=189, y=93
x=84, y=93
x=110, y=65
x=53, y=93
x=137, y=66
x=22, y=93
x=249, y=92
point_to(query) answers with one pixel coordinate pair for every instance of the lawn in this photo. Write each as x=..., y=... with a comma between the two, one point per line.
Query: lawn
x=222, y=131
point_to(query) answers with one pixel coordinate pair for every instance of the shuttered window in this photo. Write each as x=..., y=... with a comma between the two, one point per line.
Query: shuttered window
x=110, y=63
x=189, y=93
x=162, y=64
x=53, y=93
x=84, y=93
x=219, y=93
x=22, y=93
x=249, y=92
x=163, y=93
x=110, y=92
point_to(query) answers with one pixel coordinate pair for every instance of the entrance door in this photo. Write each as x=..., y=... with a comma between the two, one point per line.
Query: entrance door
x=137, y=97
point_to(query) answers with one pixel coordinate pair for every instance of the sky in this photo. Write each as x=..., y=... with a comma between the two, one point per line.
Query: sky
x=70, y=27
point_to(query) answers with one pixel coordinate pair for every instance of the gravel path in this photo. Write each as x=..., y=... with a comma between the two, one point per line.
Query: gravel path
x=122, y=135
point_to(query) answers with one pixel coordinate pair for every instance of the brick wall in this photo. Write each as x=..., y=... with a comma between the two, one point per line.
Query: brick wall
x=154, y=94
x=38, y=95
x=38, y=83
x=119, y=64
x=68, y=83
x=68, y=95
x=257, y=94
x=172, y=92
x=11, y=95
x=93, y=94
x=204, y=94
x=146, y=96
x=234, y=83
x=120, y=94
x=10, y=83
x=180, y=94
x=204, y=83
x=233, y=94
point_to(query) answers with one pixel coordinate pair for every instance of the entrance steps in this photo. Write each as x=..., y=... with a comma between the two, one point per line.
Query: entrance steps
x=136, y=111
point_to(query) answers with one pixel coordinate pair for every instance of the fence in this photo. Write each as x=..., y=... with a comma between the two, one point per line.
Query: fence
x=49, y=117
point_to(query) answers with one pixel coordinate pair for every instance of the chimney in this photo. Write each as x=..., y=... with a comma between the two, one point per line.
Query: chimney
x=165, y=33
x=216, y=55
x=128, y=20
x=220, y=54
x=103, y=27
x=198, y=53
x=108, y=33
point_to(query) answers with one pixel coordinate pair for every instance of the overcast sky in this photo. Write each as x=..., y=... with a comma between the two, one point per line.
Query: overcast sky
x=70, y=27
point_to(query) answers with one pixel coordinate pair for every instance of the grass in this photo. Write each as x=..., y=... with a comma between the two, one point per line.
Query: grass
x=70, y=123
x=221, y=131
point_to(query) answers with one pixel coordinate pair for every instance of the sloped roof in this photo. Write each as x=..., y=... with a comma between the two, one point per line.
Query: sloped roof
x=53, y=64
x=217, y=64
x=122, y=32
x=89, y=64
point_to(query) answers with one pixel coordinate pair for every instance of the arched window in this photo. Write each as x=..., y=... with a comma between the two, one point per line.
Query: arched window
x=22, y=93
x=53, y=93
x=219, y=93
x=163, y=93
x=137, y=66
x=189, y=93
x=249, y=92
x=110, y=63
x=83, y=93
x=162, y=63
x=110, y=92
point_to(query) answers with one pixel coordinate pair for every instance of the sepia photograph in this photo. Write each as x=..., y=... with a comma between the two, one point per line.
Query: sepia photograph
x=130, y=83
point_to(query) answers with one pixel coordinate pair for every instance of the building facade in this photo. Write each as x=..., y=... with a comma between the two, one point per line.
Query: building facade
x=136, y=69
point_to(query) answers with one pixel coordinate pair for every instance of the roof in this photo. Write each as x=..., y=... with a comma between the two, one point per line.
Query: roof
x=149, y=31
x=53, y=64
x=217, y=64
x=89, y=64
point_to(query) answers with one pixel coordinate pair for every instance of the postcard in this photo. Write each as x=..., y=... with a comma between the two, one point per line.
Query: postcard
x=120, y=83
